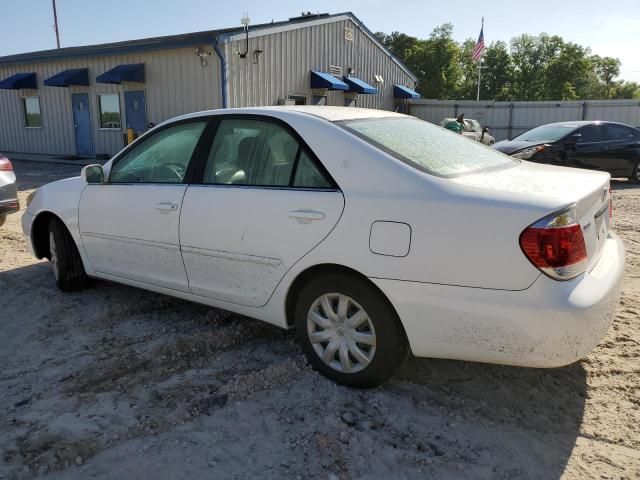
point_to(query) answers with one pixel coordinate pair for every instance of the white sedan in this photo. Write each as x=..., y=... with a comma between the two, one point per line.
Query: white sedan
x=371, y=233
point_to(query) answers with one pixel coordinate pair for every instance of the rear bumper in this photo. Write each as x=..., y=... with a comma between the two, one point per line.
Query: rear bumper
x=8, y=199
x=9, y=206
x=550, y=324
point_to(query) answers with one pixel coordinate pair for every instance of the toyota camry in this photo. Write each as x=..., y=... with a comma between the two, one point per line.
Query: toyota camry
x=373, y=234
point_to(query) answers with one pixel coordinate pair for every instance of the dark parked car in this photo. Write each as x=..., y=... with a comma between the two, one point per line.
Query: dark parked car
x=8, y=193
x=607, y=146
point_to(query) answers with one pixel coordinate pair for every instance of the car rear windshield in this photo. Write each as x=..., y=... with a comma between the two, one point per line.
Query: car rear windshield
x=425, y=146
x=546, y=133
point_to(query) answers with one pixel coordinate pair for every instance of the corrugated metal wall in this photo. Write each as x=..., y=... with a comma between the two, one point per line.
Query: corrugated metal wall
x=287, y=57
x=509, y=119
x=176, y=83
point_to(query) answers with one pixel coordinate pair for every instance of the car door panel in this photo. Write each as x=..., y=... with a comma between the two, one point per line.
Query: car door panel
x=131, y=231
x=130, y=225
x=622, y=149
x=264, y=201
x=238, y=242
x=590, y=150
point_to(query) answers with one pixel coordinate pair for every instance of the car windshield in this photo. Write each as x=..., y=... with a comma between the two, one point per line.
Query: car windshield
x=425, y=146
x=546, y=133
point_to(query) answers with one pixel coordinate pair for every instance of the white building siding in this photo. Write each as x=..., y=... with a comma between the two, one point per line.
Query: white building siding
x=176, y=83
x=287, y=57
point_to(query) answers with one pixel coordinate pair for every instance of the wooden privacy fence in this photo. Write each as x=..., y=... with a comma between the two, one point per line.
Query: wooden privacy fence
x=509, y=119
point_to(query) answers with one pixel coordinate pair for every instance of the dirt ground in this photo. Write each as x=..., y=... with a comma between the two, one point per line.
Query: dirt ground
x=115, y=382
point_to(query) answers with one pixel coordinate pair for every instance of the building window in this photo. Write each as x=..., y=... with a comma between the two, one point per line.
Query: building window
x=32, y=115
x=109, y=106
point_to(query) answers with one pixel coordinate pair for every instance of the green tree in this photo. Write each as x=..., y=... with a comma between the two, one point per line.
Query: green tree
x=468, y=81
x=606, y=69
x=542, y=67
x=622, y=89
x=397, y=43
x=435, y=61
x=497, y=72
x=567, y=73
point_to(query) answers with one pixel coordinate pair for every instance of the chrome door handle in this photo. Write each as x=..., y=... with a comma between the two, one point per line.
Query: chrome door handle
x=166, y=206
x=306, y=216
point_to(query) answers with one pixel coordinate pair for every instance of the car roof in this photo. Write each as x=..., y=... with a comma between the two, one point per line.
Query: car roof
x=329, y=113
x=581, y=123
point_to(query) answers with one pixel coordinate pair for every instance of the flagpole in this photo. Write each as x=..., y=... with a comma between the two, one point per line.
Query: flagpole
x=480, y=66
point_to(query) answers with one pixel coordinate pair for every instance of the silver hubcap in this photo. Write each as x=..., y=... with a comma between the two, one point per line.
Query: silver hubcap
x=341, y=333
x=54, y=255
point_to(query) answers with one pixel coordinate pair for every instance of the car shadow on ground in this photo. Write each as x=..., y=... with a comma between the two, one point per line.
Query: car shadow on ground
x=541, y=409
x=619, y=184
x=533, y=414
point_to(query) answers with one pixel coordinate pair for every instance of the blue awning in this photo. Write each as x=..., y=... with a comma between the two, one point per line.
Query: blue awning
x=359, y=86
x=400, y=91
x=66, y=78
x=133, y=72
x=326, y=80
x=18, y=81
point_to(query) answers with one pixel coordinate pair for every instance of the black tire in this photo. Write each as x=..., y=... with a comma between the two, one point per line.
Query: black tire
x=391, y=346
x=65, y=258
x=635, y=176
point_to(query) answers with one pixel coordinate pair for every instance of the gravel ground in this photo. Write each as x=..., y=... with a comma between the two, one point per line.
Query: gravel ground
x=115, y=382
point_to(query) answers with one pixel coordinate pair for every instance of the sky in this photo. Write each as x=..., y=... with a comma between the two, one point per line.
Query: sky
x=609, y=29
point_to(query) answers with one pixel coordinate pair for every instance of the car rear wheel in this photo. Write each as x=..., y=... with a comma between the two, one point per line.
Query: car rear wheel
x=65, y=258
x=348, y=331
x=635, y=176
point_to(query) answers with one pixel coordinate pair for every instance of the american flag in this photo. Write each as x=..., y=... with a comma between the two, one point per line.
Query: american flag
x=478, y=51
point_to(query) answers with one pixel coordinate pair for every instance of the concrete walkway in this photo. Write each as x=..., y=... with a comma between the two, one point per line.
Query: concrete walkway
x=45, y=158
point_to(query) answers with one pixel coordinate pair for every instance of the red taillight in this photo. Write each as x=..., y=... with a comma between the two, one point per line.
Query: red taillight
x=5, y=165
x=556, y=245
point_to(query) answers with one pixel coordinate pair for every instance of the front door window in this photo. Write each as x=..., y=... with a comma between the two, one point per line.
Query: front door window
x=162, y=158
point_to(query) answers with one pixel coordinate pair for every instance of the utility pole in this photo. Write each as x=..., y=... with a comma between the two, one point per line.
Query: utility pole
x=55, y=23
x=479, y=70
x=480, y=62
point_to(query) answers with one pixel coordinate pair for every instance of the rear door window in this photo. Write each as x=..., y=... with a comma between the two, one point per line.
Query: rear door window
x=591, y=134
x=261, y=153
x=620, y=132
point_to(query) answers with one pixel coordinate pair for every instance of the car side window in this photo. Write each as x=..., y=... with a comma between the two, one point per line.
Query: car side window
x=262, y=153
x=619, y=132
x=251, y=152
x=591, y=133
x=161, y=158
x=307, y=174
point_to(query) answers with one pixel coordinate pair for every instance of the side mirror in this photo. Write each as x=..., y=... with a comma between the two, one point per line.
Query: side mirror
x=572, y=140
x=92, y=174
x=485, y=130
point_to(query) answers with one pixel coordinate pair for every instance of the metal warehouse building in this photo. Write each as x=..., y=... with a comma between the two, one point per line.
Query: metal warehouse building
x=81, y=100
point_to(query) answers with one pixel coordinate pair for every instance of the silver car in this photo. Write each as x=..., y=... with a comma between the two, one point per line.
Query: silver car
x=8, y=192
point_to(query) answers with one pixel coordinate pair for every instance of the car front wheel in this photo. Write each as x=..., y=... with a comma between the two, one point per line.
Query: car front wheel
x=348, y=331
x=65, y=258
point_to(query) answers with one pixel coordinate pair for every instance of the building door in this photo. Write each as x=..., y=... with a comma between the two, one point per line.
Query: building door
x=82, y=123
x=135, y=110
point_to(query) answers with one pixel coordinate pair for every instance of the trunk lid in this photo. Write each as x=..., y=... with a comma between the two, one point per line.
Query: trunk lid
x=555, y=187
